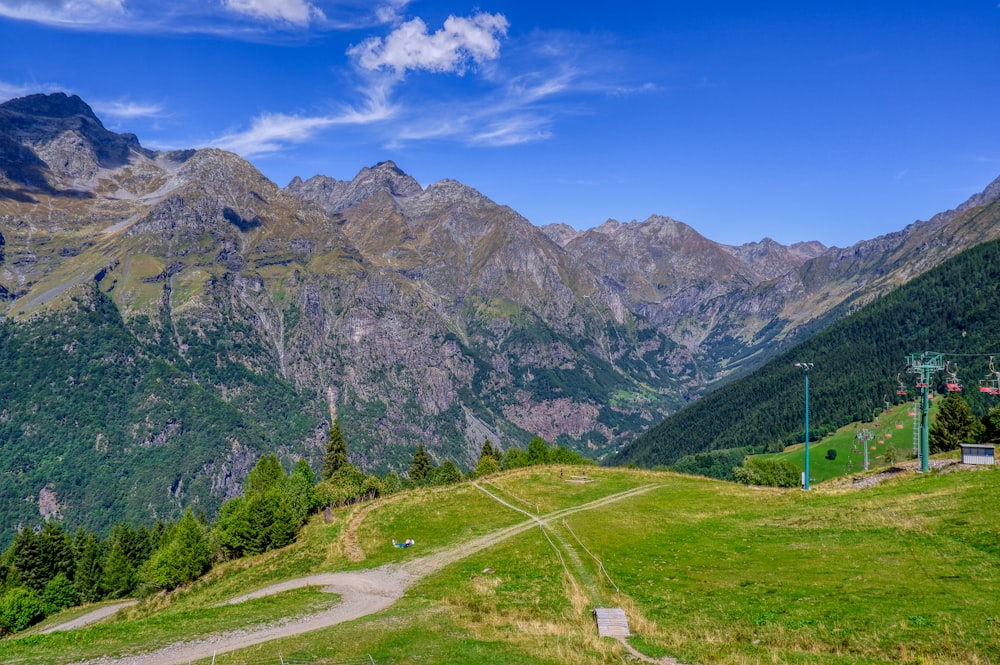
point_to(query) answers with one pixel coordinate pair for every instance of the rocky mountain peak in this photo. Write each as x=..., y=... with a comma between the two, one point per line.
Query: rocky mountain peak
x=66, y=138
x=337, y=195
x=560, y=233
x=56, y=105
x=768, y=258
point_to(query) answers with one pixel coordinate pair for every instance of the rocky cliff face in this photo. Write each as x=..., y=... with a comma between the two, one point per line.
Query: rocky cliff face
x=416, y=315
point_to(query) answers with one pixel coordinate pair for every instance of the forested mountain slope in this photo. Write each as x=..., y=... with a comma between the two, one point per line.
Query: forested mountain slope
x=169, y=317
x=953, y=309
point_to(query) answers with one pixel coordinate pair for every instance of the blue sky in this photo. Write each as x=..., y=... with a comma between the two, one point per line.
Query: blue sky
x=834, y=121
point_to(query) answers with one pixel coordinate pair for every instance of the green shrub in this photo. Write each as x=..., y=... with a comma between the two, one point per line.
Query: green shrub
x=486, y=466
x=59, y=594
x=19, y=608
x=768, y=473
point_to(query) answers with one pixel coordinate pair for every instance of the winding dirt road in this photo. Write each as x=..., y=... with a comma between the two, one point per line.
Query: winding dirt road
x=362, y=593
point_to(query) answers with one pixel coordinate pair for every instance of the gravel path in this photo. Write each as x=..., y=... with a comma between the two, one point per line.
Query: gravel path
x=90, y=617
x=870, y=480
x=362, y=593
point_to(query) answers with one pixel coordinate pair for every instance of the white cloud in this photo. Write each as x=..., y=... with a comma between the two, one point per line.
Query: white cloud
x=513, y=131
x=296, y=12
x=273, y=132
x=390, y=11
x=229, y=19
x=623, y=90
x=63, y=12
x=127, y=110
x=12, y=90
x=412, y=47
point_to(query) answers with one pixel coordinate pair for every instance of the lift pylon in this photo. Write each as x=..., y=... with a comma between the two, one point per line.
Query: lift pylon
x=922, y=364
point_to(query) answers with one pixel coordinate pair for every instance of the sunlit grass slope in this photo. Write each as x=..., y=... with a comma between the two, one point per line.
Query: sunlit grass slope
x=708, y=572
x=889, y=429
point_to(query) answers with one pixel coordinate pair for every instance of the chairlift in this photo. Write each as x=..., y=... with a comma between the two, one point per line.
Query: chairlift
x=952, y=385
x=991, y=384
x=900, y=389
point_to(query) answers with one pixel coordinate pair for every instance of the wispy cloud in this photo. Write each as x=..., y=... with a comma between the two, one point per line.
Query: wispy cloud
x=67, y=13
x=12, y=90
x=509, y=131
x=231, y=19
x=124, y=110
x=273, y=132
x=296, y=12
x=626, y=90
x=450, y=49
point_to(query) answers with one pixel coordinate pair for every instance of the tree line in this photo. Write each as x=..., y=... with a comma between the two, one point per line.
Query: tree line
x=47, y=570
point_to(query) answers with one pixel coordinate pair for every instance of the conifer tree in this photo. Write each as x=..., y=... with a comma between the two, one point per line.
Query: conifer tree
x=490, y=458
x=119, y=578
x=266, y=475
x=58, y=551
x=421, y=465
x=538, y=451
x=489, y=450
x=27, y=559
x=301, y=492
x=954, y=424
x=336, y=452
x=90, y=569
x=183, y=558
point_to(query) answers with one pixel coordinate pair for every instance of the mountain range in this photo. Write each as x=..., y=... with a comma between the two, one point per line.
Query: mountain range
x=170, y=315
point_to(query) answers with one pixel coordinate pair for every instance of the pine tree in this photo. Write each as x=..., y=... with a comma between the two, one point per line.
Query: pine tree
x=184, y=558
x=538, y=451
x=421, y=465
x=490, y=458
x=299, y=487
x=336, y=452
x=57, y=549
x=265, y=476
x=954, y=424
x=90, y=569
x=119, y=579
x=26, y=559
x=491, y=451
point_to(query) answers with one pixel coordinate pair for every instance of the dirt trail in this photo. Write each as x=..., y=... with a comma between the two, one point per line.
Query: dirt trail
x=362, y=593
x=90, y=617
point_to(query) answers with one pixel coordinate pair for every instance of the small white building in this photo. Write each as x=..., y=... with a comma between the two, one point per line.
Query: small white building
x=977, y=453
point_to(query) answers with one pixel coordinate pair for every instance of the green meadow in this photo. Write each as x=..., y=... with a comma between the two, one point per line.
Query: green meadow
x=707, y=572
x=889, y=429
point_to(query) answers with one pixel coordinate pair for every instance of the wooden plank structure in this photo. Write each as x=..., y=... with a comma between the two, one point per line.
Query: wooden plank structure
x=611, y=622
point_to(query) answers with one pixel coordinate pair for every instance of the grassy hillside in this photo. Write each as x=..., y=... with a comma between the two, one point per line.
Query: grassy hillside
x=708, y=572
x=953, y=309
x=893, y=429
